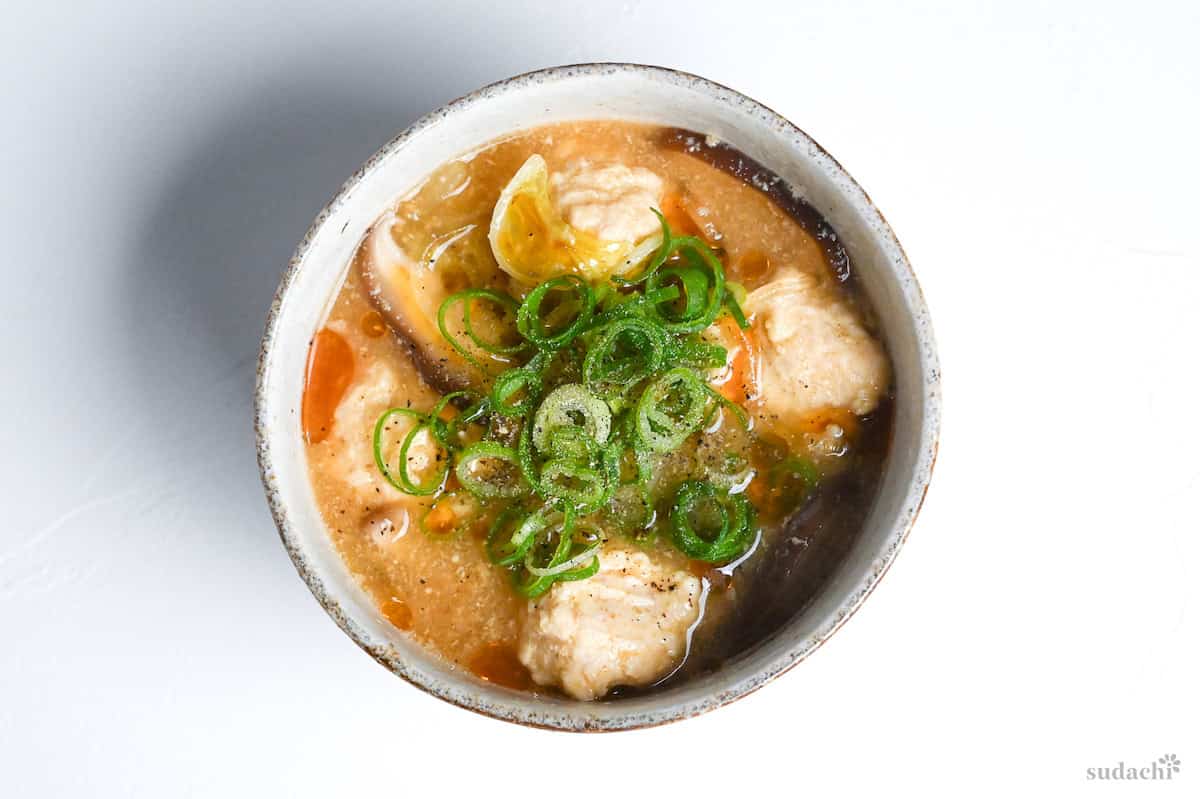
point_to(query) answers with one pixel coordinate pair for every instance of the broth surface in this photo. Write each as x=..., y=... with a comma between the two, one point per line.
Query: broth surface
x=442, y=589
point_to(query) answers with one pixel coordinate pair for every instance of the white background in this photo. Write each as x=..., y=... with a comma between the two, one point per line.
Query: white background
x=1038, y=161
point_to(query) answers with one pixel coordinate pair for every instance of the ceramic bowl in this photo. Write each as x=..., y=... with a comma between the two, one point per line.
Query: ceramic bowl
x=595, y=91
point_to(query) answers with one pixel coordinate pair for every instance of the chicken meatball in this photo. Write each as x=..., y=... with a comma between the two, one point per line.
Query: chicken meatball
x=368, y=395
x=612, y=201
x=627, y=625
x=813, y=351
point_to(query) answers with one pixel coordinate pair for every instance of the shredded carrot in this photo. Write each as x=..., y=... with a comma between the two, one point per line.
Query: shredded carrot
x=740, y=382
x=675, y=209
x=678, y=209
x=441, y=518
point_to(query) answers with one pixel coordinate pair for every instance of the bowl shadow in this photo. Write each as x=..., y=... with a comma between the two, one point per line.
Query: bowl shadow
x=206, y=260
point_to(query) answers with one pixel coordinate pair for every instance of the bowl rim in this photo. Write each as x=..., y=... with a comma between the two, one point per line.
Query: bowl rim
x=553, y=718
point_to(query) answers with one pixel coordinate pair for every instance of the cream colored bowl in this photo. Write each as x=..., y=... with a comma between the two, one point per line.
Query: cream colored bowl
x=595, y=91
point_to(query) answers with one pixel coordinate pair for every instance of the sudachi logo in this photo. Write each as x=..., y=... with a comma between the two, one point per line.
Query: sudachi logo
x=1165, y=768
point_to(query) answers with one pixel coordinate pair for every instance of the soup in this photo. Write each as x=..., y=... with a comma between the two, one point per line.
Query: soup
x=596, y=408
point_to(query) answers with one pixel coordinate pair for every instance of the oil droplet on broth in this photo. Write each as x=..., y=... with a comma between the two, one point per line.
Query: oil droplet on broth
x=373, y=324
x=398, y=613
x=498, y=663
x=753, y=267
x=330, y=369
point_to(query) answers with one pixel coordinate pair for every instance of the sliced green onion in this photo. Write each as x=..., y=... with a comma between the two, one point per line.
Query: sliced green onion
x=639, y=305
x=571, y=405
x=574, y=483
x=664, y=251
x=533, y=585
x=681, y=392
x=573, y=443
x=503, y=300
x=732, y=474
x=532, y=325
x=698, y=354
x=627, y=350
x=733, y=533
x=447, y=431
x=703, y=283
x=573, y=562
x=511, y=536
x=482, y=451
x=511, y=384
x=693, y=282
x=496, y=350
x=735, y=308
x=525, y=458
x=399, y=478
x=722, y=401
x=581, y=573
x=632, y=511
x=796, y=467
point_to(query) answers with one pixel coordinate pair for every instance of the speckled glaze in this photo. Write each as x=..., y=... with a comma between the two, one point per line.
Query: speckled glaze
x=593, y=91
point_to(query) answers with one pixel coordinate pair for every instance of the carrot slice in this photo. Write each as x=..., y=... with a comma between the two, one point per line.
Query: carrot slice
x=330, y=369
x=684, y=221
x=441, y=518
x=678, y=216
x=739, y=382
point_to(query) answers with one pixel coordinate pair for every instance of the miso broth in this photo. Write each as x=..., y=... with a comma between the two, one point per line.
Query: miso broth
x=596, y=408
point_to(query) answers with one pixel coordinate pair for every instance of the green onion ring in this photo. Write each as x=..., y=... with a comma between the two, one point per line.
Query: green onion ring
x=731, y=481
x=509, y=384
x=482, y=488
x=573, y=442
x=445, y=430
x=529, y=322
x=665, y=249
x=738, y=411
x=511, y=550
x=504, y=300
x=594, y=492
x=637, y=305
x=493, y=349
x=573, y=562
x=735, y=309
x=676, y=431
x=734, y=534
x=639, y=529
x=698, y=354
x=401, y=480
x=693, y=283
x=525, y=458
x=556, y=411
x=538, y=585
x=598, y=368
x=701, y=257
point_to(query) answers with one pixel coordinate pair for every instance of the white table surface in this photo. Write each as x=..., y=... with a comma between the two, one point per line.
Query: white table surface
x=162, y=159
